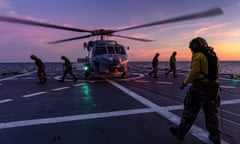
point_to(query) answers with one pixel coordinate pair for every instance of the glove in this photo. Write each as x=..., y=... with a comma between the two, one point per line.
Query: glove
x=182, y=86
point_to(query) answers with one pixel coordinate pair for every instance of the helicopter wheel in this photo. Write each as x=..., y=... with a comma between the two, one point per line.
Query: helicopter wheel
x=123, y=75
x=87, y=75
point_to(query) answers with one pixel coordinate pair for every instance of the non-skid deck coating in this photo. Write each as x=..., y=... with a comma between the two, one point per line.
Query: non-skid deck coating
x=106, y=110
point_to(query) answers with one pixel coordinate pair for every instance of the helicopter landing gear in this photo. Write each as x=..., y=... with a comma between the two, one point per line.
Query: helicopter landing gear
x=87, y=75
x=123, y=76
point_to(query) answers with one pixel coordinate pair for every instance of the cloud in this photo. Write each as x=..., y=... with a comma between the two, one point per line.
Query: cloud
x=208, y=28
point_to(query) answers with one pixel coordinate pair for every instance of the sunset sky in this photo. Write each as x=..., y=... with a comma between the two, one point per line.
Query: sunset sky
x=18, y=42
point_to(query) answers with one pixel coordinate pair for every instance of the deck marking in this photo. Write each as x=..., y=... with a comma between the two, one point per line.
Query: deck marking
x=142, y=81
x=5, y=100
x=80, y=84
x=238, y=124
x=87, y=116
x=60, y=77
x=233, y=101
x=61, y=88
x=28, y=78
x=230, y=113
x=174, y=107
x=34, y=94
x=165, y=83
x=22, y=123
x=196, y=131
x=10, y=78
x=225, y=102
x=230, y=87
x=138, y=77
x=228, y=79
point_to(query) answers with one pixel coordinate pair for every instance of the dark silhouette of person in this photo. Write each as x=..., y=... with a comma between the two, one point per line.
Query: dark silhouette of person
x=203, y=93
x=67, y=69
x=41, y=69
x=172, y=62
x=154, y=66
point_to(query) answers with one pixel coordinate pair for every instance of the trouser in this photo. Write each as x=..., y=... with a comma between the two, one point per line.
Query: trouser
x=41, y=75
x=205, y=97
x=154, y=71
x=66, y=72
x=172, y=69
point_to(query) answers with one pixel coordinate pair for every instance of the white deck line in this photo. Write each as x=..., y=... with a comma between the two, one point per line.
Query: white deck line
x=80, y=84
x=165, y=82
x=233, y=101
x=61, y=88
x=9, y=78
x=34, y=94
x=5, y=100
x=22, y=123
x=229, y=87
x=196, y=131
x=142, y=81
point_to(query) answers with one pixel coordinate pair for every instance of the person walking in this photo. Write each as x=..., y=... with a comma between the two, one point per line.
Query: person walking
x=154, y=66
x=41, y=69
x=67, y=66
x=203, y=92
x=172, y=62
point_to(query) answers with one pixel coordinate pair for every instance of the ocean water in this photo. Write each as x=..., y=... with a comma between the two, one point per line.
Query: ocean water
x=226, y=67
x=7, y=69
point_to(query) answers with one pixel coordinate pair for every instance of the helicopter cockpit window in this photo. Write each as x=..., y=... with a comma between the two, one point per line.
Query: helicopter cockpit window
x=110, y=50
x=100, y=50
x=120, y=50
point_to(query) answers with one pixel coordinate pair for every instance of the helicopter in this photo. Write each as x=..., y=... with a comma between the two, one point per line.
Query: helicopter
x=107, y=56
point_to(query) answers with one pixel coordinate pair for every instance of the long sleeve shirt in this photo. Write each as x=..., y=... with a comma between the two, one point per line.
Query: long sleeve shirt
x=199, y=64
x=172, y=60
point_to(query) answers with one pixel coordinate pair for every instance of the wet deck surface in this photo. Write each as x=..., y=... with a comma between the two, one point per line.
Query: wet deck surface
x=136, y=110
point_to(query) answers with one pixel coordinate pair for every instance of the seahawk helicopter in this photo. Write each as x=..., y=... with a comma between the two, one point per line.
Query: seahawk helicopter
x=107, y=56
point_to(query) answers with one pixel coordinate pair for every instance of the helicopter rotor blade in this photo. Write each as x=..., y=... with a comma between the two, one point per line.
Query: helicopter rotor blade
x=132, y=38
x=207, y=13
x=69, y=39
x=35, y=23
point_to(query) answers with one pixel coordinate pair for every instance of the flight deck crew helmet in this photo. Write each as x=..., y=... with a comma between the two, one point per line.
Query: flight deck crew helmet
x=33, y=56
x=63, y=57
x=174, y=53
x=197, y=43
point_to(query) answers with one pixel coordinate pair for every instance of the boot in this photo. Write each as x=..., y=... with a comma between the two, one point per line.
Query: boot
x=176, y=133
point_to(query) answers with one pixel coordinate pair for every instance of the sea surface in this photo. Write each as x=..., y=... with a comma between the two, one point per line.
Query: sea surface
x=8, y=69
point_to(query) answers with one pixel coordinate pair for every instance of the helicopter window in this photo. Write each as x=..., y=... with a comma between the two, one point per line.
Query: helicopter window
x=120, y=50
x=100, y=50
x=110, y=50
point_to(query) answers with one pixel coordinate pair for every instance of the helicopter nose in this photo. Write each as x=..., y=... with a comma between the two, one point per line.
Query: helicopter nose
x=117, y=60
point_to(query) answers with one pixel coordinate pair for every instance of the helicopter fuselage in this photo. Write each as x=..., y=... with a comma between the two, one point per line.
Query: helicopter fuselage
x=106, y=57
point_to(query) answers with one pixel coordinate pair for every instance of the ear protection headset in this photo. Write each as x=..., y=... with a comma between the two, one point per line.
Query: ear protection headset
x=198, y=43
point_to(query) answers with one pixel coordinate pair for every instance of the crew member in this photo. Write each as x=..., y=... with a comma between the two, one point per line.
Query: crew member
x=41, y=69
x=203, y=93
x=67, y=69
x=172, y=62
x=154, y=66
